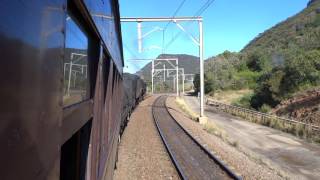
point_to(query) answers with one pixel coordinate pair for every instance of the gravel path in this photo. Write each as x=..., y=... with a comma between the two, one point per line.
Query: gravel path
x=283, y=151
x=247, y=167
x=142, y=154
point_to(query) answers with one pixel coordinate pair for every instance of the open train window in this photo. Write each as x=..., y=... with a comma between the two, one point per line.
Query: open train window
x=76, y=80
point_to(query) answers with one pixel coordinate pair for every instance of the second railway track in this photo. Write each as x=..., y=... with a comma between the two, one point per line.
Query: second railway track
x=191, y=160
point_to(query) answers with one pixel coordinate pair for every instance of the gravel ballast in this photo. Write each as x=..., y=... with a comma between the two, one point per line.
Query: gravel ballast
x=142, y=154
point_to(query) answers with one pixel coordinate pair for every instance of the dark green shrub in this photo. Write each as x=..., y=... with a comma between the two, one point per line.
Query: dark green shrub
x=265, y=108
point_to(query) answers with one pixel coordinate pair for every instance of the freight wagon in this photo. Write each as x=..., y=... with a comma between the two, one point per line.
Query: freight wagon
x=134, y=90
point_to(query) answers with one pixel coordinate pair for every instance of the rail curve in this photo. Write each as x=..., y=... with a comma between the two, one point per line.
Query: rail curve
x=191, y=159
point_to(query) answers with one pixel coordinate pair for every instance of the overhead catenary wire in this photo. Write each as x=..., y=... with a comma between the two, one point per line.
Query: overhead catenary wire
x=132, y=54
x=173, y=16
x=175, y=13
x=202, y=9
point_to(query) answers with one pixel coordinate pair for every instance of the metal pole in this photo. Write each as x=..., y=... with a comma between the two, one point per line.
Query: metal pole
x=74, y=80
x=139, y=37
x=70, y=71
x=158, y=19
x=177, y=75
x=183, y=83
x=64, y=69
x=201, y=69
x=166, y=19
x=151, y=81
x=152, y=70
x=164, y=74
x=174, y=83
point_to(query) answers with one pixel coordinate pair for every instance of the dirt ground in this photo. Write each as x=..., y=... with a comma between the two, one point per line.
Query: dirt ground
x=282, y=151
x=142, y=154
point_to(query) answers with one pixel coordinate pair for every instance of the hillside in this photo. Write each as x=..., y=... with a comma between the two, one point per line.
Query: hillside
x=188, y=62
x=300, y=31
x=303, y=106
x=277, y=65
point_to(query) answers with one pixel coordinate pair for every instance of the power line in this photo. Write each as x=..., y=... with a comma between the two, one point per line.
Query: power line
x=204, y=7
x=198, y=13
x=132, y=54
x=173, y=16
x=175, y=13
x=129, y=50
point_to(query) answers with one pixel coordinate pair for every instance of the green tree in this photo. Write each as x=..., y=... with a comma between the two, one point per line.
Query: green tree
x=268, y=89
x=258, y=60
x=196, y=83
x=302, y=70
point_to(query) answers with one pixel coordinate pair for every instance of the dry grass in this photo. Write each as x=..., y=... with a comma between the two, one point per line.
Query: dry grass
x=213, y=128
x=185, y=108
x=210, y=127
x=229, y=96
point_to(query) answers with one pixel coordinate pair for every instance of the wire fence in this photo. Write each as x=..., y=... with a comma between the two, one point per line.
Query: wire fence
x=262, y=118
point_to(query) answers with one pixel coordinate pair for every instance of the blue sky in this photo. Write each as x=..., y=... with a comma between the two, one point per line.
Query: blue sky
x=228, y=25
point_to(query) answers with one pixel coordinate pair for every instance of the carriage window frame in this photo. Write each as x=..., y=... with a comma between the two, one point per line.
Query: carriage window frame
x=79, y=114
x=82, y=86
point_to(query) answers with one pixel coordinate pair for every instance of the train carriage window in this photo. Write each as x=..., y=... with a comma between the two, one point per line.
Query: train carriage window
x=76, y=76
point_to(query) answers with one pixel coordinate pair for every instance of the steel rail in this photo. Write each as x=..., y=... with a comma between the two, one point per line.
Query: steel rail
x=176, y=163
x=174, y=160
x=219, y=162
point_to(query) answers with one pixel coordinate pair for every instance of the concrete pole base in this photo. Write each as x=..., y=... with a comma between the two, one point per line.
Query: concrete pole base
x=202, y=120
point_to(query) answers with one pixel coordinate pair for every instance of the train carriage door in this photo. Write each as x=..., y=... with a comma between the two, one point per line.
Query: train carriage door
x=80, y=69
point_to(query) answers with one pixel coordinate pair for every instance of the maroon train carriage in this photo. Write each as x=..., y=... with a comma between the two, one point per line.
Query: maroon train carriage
x=61, y=89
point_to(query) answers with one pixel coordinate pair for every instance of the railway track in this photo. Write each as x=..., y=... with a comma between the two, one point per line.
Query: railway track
x=190, y=158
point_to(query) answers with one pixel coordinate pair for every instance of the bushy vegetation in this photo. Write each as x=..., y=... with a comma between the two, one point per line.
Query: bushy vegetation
x=244, y=101
x=300, y=70
x=271, y=82
x=278, y=63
